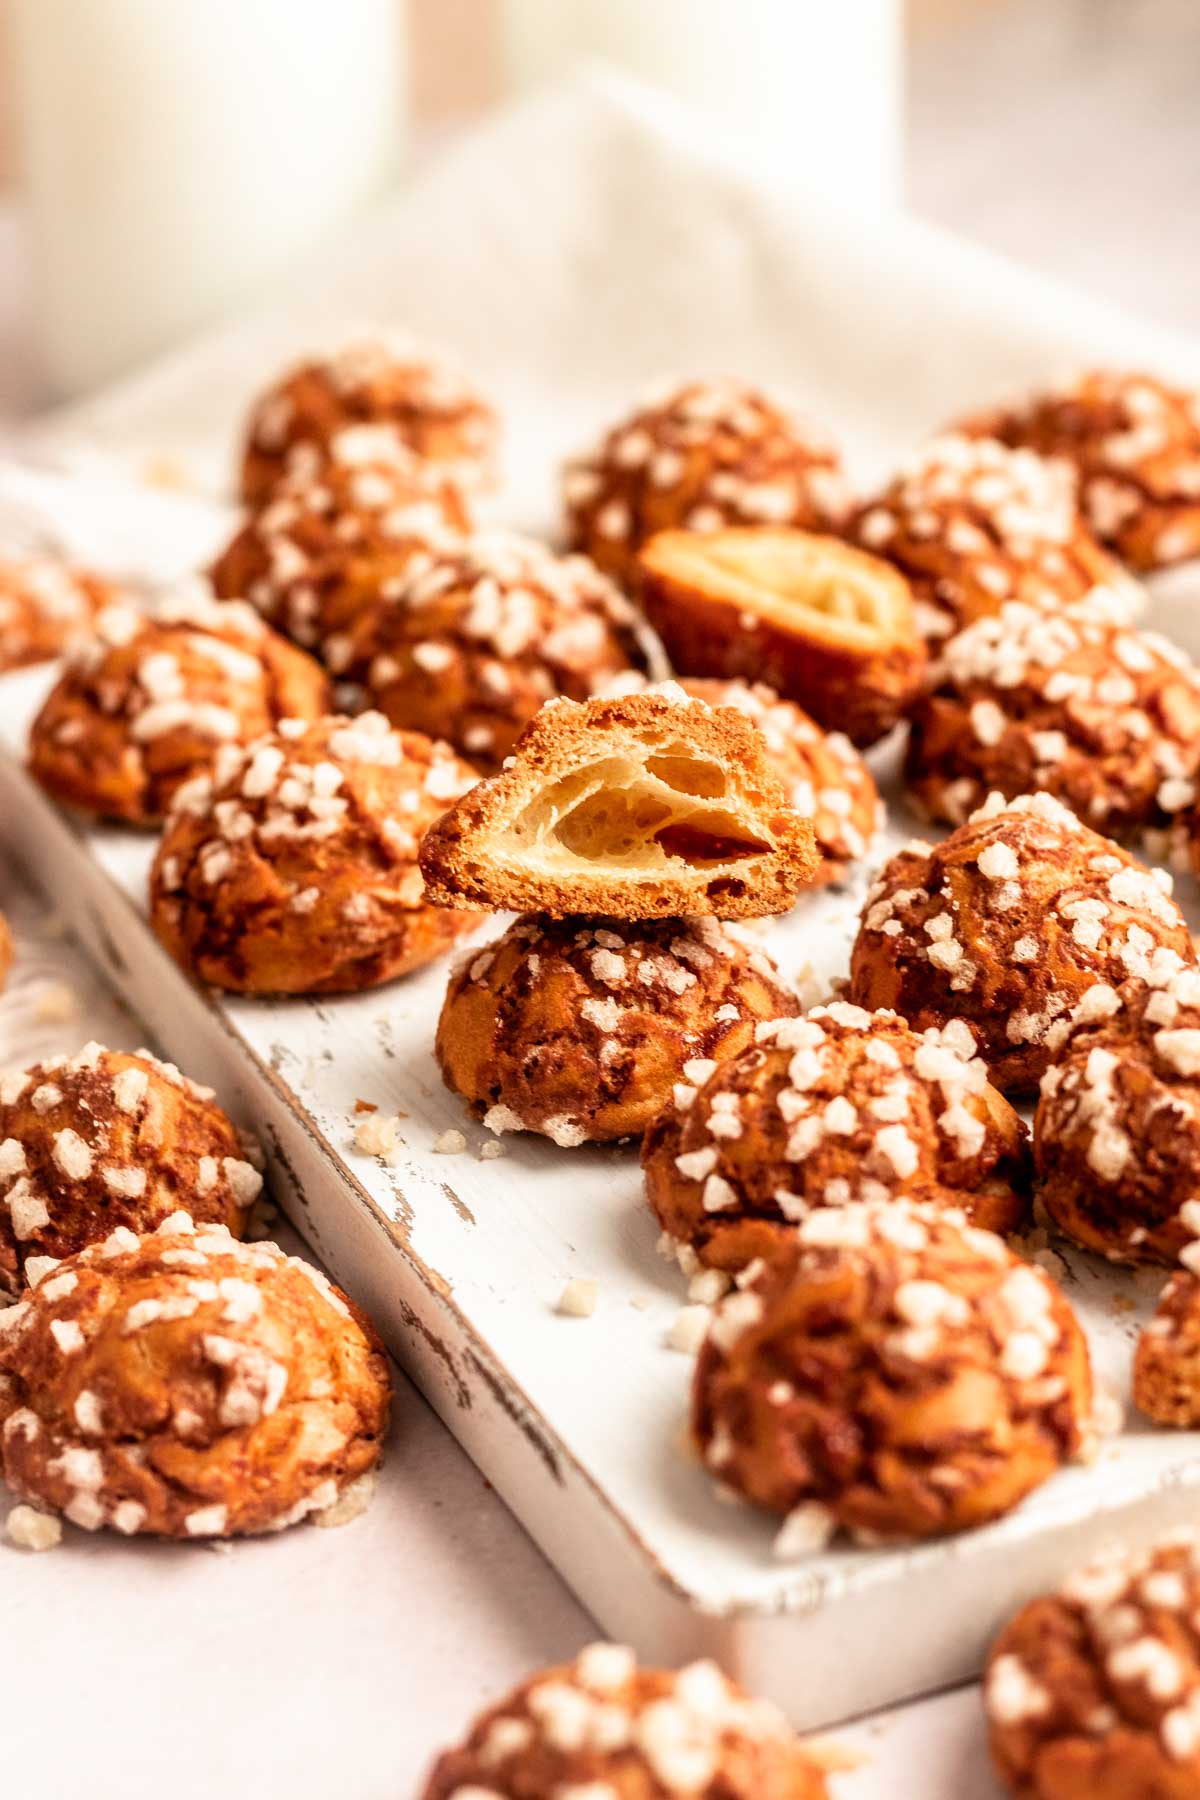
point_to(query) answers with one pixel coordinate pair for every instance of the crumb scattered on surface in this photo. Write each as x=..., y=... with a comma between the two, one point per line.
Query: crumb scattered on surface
x=375, y=1133
x=450, y=1143
x=578, y=1299
x=491, y=1150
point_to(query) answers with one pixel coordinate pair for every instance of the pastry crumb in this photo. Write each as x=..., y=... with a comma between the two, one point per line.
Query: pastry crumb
x=375, y=1133
x=491, y=1150
x=578, y=1299
x=450, y=1143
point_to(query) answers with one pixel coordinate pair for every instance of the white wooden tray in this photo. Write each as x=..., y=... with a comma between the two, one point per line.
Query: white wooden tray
x=578, y=1422
x=574, y=250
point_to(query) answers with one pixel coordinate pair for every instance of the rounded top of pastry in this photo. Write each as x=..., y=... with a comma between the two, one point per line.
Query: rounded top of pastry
x=335, y=533
x=386, y=390
x=603, y=1726
x=893, y=1372
x=46, y=608
x=106, y=1138
x=580, y=1028
x=697, y=456
x=1006, y=923
x=1133, y=442
x=149, y=702
x=293, y=868
x=1096, y=1688
x=1066, y=703
x=839, y=1106
x=972, y=524
x=1117, y=1134
x=650, y=806
x=479, y=637
x=188, y=1385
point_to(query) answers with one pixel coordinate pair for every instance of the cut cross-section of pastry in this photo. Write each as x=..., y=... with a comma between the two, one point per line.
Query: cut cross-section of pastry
x=825, y=625
x=636, y=808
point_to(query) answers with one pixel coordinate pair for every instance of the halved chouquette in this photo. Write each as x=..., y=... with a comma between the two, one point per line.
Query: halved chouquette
x=824, y=624
x=643, y=807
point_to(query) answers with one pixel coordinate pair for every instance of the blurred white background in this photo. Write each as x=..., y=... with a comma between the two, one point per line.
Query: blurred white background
x=1064, y=131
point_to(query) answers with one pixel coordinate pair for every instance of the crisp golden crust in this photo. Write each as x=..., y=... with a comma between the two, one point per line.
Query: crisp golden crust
x=972, y=524
x=333, y=535
x=1117, y=1132
x=893, y=1372
x=386, y=392
x=6, y=950
x=1067, y=703
x=106, y=1138
x=186, y=1385
x=579, y=1030
x=1006, y=924
x=477, y=639
x=601, y=1727
x=1093, y=1693
x=149, y=703
x=1134, y=444
x=1166, y=1367
x=838, y=1107
x=700, y=457
x=651, y=806
x=294, y=869
x=824, y=775
x=822, y=623
x=46, y=609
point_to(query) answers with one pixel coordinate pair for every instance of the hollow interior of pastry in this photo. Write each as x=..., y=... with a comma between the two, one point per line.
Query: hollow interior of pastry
x=794, y=579
x=639, y=814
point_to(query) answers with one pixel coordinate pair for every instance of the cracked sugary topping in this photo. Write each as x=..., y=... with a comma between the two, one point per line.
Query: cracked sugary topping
x=826, y=778
x=567, y=1730
x=146, y=702
x=391, y=393
x=336, y=532
x=895, y=1366
x=1067, y=703
x=972, y=524
x=477, y=638
x=106, y=1138
x=1006, y=923
x=46, y=607
x=296, y=860
x=700, y=456
x=836, y=1108
x=1097, y=1687
x=1117, y=1133
x=579, y=1029
x=186, y=1384
x=1133, y=444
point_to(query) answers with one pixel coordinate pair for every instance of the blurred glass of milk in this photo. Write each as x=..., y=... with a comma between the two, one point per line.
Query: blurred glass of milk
x=810, y=88
x=177, y=154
